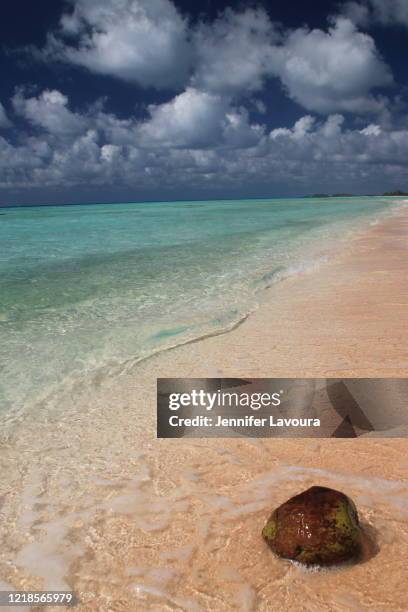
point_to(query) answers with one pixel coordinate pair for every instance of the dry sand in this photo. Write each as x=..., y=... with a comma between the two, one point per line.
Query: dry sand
x=92, y=501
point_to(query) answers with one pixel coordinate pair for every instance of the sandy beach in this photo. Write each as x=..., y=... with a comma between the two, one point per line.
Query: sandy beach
x=93, y=502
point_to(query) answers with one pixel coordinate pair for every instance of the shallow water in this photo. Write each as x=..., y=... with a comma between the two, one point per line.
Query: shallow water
x=159, y=535
x=84, y=287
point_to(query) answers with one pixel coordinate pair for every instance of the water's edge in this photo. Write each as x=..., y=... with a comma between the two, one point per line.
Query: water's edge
x=271, y=280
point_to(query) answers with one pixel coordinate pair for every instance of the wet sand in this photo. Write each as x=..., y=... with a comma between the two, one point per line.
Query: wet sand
x=92, y=501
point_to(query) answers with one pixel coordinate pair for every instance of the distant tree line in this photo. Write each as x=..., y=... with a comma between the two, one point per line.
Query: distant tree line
x=397, y=192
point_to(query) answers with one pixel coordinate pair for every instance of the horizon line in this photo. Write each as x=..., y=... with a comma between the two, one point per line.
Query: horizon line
x=296, y=197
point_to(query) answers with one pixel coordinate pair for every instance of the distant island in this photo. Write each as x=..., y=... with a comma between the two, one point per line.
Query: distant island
x=397, y=192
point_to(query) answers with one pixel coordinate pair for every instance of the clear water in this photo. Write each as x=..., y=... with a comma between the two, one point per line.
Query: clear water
x=85, y=287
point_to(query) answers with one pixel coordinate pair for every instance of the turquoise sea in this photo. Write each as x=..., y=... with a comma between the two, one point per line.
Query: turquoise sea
x=98, y=286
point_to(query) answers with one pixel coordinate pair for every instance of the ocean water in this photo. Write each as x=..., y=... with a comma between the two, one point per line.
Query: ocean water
x=85, y=288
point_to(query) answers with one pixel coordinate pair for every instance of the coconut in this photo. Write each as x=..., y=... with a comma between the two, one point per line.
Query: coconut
x=319, y=526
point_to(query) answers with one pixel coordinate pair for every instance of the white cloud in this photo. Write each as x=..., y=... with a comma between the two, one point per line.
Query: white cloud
x=205, y=134
x=390, y=11
x=196, y=119
x=323, y=71
x=358, y=13
x=330, y=144
x=4, y=120
x=332, y=71
x=233, y=53
x=191, y=119
x=371, y=130
x=49, y=111
x=171, y=150
x=386, y=12
x=148, y=42
x=141, y=41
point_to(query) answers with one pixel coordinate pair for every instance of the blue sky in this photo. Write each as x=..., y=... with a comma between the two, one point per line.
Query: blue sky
x=161, y=99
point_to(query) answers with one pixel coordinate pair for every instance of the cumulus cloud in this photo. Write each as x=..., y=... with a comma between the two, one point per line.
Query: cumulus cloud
x=233, y=53
x=358, y=13
x=332, y=71
x=192, y=119
x=323, y=71
x=343, y=157
x=390, y=11
x=196, y=119
x=148, y=42
x=241, y=153
x=141, y=41
x=386, y=12
x=49, y=111
x=203, y=132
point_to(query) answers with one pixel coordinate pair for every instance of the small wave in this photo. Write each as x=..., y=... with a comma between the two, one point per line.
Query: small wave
x=169, y=332
x=281, y=273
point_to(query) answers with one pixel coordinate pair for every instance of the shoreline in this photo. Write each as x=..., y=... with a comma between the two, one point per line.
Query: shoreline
x=305, y=283
x=230, y=309
x=266, y=294
x=302, y=264
x=262, y=295
x=94, y=502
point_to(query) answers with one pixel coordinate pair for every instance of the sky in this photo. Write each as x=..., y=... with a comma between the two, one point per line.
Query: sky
x=132, y=100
